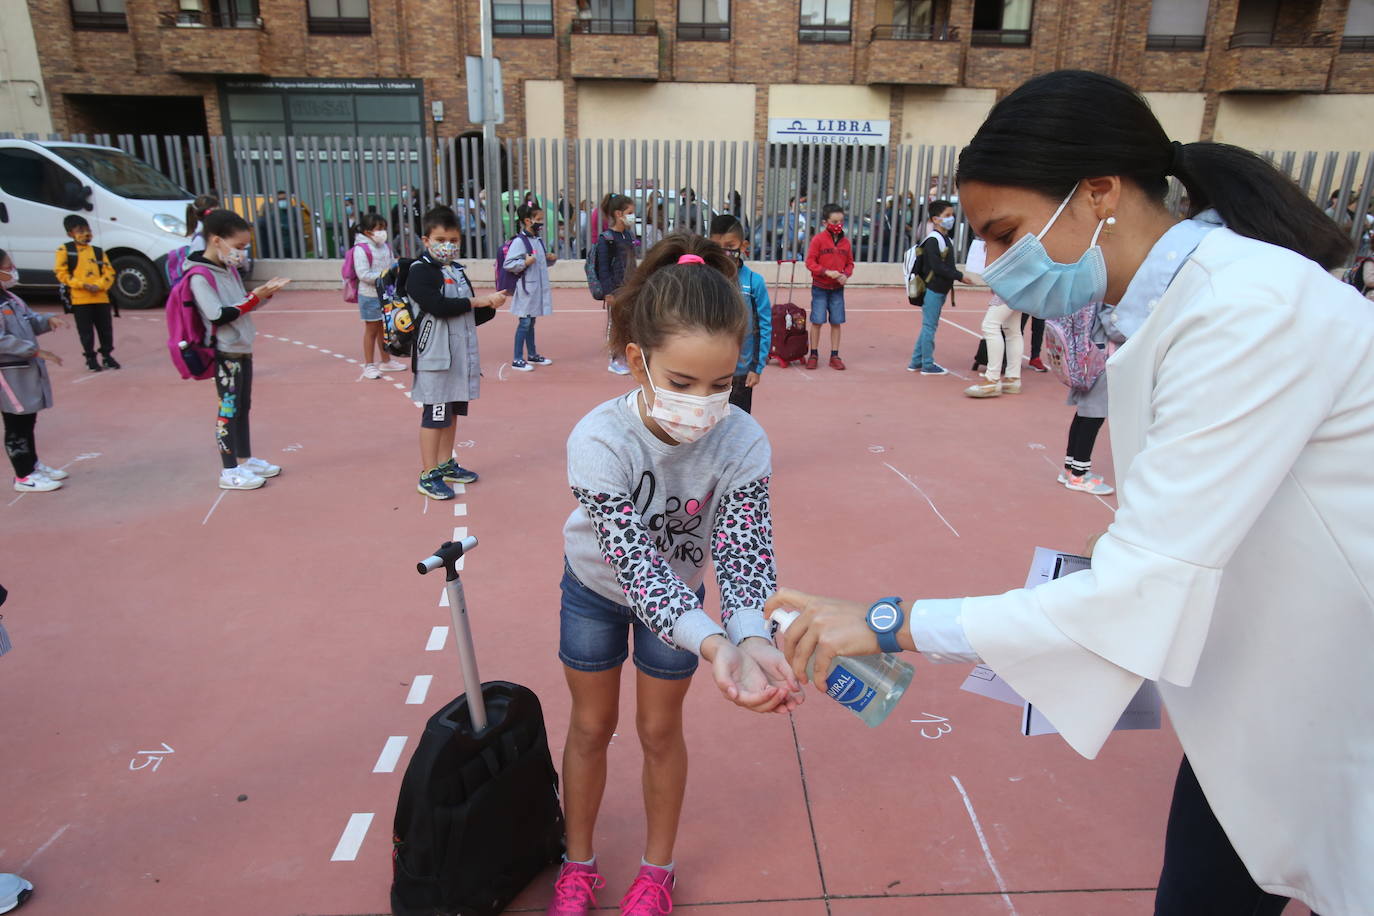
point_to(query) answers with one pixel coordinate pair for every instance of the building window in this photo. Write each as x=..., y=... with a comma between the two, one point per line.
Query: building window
x=824, y=21
x=339, y=17
x=611, y=17
x=917, y=20
x=1359, y=27
x=703, y=20
x=522, y=17
x=105, y=15
x=221, y=14
x=1177, y=25
x=1002, y=22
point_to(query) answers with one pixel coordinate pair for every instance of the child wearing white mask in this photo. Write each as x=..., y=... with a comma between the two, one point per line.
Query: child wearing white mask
x=938, y=253
x=372, y=258
x=226, y=307
x=667, y=477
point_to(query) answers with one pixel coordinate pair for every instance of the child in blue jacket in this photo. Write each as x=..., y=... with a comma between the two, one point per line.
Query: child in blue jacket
x=728, y=233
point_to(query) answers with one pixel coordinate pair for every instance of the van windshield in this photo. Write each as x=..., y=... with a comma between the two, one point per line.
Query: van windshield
x=121, y=174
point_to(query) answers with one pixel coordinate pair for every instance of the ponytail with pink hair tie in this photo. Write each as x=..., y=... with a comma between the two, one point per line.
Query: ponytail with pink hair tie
x=691, y=259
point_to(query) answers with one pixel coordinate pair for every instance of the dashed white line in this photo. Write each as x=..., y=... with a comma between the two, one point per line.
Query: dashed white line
x=443, y=598
x=214, y=507
x=460, y=508
x=352, y=838
x=459, y=533
x=923, y=496
x=983, y=841
x=399, y=386
x=459, y=488
x=44, y=848
x=391, y=752
x=419, y=689
x=437, y=637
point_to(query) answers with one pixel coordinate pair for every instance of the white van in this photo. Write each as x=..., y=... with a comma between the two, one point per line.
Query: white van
x=137, y=214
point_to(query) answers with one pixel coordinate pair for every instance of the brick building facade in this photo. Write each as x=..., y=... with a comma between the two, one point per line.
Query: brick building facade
x=709, y=68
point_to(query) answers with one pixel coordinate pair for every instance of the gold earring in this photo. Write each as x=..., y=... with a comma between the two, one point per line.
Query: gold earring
x=1111, y=223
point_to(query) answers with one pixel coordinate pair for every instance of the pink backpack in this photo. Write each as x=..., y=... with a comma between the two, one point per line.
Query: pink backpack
x=350, y=275
x=1070, y=352
x=186, y=329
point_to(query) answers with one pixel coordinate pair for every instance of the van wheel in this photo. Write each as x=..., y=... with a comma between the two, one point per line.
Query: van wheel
x=137, y=284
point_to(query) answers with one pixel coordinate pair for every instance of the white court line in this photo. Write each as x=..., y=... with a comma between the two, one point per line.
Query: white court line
x=399, y=386
x=459, y=533
x=954, y=324
x=460, y=508
x=459, y=487
x=983, y=841
x=17, y=498
x=353, y=362
x=341, y=356
x=923, y=496
x=214, y=507
x=299, y=343
x=352, y=838
x=44, y=848
x=419, y=689
x=312, y=346
x=443, y=598
x=391, y=752
x=437, y=637
x=85, y=378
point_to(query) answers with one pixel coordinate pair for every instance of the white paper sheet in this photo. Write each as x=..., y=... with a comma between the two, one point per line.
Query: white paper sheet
x=1143, y=712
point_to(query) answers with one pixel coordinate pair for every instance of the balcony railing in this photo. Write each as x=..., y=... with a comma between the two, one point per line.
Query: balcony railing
x=522, y=28
x=823, y=34
x=338, y=25
x=1281, y=40
x=615, y=26
x=1011, y=38
x=210, y=19
x=700, y=31
x=1357, y=43
x=939, y=32
x=1175, y=42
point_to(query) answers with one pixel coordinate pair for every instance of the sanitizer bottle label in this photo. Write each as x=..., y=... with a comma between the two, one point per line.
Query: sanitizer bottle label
x=847, y=690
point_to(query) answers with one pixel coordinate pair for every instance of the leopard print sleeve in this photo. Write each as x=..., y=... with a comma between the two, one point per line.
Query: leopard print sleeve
x=742, y=550
x=655, y=592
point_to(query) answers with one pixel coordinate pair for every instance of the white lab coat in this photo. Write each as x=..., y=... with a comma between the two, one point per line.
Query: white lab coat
x=1239, y=569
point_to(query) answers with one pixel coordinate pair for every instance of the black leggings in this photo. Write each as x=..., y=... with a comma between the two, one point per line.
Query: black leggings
x=234, y=385
x=1082, y=437
x=1037, y=334
x=1203, y=875
x=741, y=395
x=19, y=442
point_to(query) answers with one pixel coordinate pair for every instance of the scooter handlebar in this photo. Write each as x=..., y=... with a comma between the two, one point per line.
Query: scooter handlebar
x=450, y=551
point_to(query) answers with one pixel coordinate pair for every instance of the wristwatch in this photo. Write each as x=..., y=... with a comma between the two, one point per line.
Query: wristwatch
x=885, y=618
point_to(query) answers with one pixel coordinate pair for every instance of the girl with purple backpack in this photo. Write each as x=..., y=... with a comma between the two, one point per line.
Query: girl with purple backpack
x=527, y=261
x=372, y=258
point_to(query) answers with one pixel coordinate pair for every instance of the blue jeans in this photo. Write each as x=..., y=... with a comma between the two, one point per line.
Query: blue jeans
x=923, y=357
x=524, y=338
x=827, y=305
x=594, y=635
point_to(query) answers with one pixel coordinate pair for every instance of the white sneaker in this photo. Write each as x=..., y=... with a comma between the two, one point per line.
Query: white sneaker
x=261, y=468
x=50, y=473
x=392, y=366
x=36, y=482
x=541, y=361
x=14, y=890
x=239, y=478
x=371, y=371
x=521, y=366
x=1088, y=483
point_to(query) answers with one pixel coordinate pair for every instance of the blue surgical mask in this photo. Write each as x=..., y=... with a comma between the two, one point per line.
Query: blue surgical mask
x=1027, y=279
x=946, y=222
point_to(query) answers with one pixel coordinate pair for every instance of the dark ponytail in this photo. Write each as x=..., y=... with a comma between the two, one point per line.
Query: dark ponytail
x=198, y=209
x=612, y=204
x=663, y=297
x=1059, y=128
x=224, y=223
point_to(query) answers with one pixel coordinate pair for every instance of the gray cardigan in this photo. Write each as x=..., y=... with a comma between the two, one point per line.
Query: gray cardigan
x=24, y=383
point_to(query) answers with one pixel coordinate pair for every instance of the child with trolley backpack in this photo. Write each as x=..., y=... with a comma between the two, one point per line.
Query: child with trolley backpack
x=446, y=365
x=523, y=273
x=670, y=455
x=728, y=233
x=25, y=388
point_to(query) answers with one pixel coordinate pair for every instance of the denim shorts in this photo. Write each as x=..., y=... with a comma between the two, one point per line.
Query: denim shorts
x=370, y=307
x=827, y=306
x=594, y=636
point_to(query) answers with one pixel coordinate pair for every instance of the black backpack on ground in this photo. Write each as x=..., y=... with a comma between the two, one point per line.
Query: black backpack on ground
x=478, y=817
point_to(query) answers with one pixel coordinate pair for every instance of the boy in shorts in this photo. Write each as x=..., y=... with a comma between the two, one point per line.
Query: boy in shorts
x=830, y=258
x=446, y=365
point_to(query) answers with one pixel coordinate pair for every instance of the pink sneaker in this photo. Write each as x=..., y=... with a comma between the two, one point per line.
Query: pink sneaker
x=651, y=894
x=573, y=892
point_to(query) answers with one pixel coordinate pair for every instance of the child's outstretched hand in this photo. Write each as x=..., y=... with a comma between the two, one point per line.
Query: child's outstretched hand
x=775, y=667
x=739, y=677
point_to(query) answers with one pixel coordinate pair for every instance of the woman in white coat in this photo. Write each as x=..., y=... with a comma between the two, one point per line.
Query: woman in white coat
x=1239, y=567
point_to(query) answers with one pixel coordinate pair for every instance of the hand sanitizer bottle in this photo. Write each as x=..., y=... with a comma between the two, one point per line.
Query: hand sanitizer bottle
x=868, y=686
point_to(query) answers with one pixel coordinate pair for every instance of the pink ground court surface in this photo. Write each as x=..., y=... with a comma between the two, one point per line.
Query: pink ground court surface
x=205, y=685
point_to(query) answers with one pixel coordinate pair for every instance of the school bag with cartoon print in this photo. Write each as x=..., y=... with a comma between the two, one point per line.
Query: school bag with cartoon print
x=398, y=316
x=1070, y=352
x=186, y=332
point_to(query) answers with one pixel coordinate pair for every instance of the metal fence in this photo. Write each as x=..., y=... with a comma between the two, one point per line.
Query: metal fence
x=777, y=191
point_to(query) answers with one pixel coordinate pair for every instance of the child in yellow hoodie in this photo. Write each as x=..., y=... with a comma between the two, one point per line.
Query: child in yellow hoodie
x=87, y=276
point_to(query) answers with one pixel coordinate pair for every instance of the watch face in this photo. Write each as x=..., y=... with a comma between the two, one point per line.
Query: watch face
x=884, y=617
